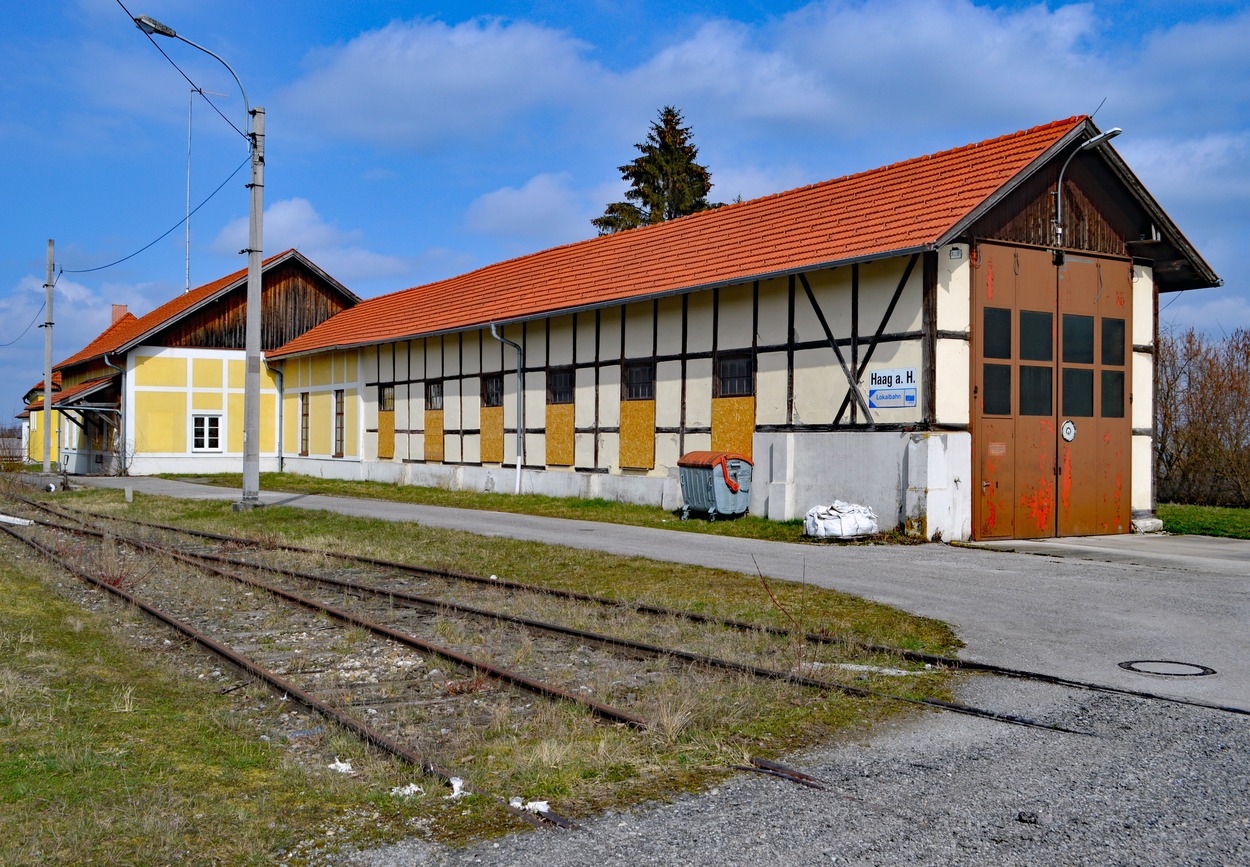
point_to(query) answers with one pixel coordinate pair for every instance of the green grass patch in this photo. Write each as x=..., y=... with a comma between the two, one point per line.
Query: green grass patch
x=109, y=757
x=1205, y=520
x=597, y=509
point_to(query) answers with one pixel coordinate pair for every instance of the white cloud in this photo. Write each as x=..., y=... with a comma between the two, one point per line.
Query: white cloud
x=420, y=84
x=295, y=223
x=544, y=212
x=1214, y=311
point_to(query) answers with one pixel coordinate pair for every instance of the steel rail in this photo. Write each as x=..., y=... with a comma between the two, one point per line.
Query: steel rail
x=603, y=710
x=502, y=674
x=814, y=637
x=247, y=665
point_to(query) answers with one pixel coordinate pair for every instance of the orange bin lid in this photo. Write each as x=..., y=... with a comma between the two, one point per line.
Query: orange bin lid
x=709, y=459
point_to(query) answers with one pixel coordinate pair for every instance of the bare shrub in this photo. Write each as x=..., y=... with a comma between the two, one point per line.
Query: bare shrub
x=1202, y=441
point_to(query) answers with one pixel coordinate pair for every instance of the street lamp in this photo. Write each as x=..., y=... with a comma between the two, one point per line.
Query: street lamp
x=251, y=343
x=1097, y=140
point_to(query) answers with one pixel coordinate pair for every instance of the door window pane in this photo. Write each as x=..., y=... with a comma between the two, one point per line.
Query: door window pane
x=1078, y=392
x=1035, y=390
x=1078, y=339
x=1036, y=335
x=1113, y=342
x=997, y=399
x=1113, y=394
x=997, y=333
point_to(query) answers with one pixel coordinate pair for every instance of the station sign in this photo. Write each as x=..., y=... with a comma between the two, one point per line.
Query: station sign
x=895, y=388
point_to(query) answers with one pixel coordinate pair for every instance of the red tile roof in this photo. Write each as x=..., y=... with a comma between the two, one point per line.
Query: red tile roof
x=900, y=207
x=130, y=328
x=63, y=398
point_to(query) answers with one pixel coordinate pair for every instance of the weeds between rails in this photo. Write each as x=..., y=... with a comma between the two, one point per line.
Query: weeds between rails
x=580, y=635
x=948, y=662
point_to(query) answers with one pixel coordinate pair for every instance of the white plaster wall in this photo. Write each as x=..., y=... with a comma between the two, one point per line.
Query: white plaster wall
x=920, y=481
x=774, y=312
x=736, y=317
x=668, y=335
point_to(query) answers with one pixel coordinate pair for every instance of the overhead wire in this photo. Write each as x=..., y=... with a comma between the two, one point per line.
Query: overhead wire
x=166, y=234
x=190, y=214
x=28, y=327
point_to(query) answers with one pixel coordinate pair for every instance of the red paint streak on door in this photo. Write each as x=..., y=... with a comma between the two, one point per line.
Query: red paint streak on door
x=1040, y=504
x=1066, y=491
x=989, y=280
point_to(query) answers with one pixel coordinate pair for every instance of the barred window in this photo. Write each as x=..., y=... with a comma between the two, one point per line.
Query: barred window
x=560, y=385
x=639, y=380
x=492, y=389
x=303, y=422
x=434, y=394
x=734, y=375
x=386, y=398
x=339, y=415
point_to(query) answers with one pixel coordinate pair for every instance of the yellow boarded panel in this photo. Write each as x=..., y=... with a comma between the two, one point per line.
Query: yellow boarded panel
x=206, y=373
x=733, y=424
x=638, y=434
x=170, y=372
x=206, y=400
x=320, y=422
x=433, y=434
x=560, y=434
x=492, y=434
x=386, y=435
x=160, y=421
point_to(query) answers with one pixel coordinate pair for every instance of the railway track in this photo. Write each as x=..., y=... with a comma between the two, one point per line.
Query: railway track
x=449, y=651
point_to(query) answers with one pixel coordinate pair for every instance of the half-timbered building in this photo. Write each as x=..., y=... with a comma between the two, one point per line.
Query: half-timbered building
x=924, y=338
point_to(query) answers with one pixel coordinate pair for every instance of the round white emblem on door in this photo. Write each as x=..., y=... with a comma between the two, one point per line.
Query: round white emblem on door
x=1068, y=431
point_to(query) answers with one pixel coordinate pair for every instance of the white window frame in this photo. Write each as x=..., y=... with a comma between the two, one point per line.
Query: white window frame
x=213, y=436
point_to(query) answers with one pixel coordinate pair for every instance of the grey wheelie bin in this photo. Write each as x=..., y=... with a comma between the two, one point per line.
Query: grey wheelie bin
x=715, y=483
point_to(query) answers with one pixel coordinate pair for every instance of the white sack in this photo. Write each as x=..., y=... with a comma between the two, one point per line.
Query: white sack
x=840, y=521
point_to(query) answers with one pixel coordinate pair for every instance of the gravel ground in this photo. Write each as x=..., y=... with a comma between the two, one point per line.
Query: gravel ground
x=1158, y=784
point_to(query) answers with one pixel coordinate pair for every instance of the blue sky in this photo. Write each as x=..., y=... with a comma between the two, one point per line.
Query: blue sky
x=413, y=141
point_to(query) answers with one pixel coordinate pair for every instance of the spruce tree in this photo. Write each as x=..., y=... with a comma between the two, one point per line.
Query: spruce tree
x=665, y=181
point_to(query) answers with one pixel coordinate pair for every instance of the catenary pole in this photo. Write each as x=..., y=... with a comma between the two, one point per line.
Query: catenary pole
x=47, y=363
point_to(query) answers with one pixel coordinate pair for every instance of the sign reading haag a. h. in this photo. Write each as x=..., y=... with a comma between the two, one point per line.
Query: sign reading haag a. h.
x=892, y=389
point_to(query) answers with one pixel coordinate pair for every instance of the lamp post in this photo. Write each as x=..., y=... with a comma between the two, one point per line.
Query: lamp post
x=251, y=382
x=1097, y=140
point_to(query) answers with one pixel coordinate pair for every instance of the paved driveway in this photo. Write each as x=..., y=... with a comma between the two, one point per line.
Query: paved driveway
x=1072, y=608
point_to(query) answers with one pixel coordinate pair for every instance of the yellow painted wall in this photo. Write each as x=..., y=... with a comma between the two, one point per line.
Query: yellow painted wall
x=321, y=423
x=290, y=423
x=160, y=421
x=34, y=448
x=208, y=400
x=351, y=424
x=155, y=371
x=322, y=370
x=206, y=373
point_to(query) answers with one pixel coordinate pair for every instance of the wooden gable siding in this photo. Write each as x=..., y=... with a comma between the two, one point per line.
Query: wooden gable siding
x=292, y=302
x=1098, y=215
x=84, y=373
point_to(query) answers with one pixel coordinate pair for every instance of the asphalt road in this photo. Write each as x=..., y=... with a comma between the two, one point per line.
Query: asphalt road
x=1073, y=608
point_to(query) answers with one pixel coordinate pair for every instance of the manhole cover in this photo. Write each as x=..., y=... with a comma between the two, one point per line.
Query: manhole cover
x=1167, y=668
